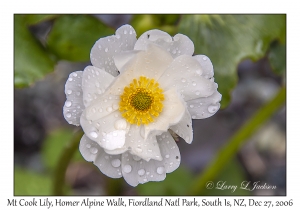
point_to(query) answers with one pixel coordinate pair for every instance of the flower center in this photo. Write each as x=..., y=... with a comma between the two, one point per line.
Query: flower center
x=141, y=101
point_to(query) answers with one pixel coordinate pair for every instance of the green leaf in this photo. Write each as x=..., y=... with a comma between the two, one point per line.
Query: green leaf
x=31, y=61
x=73, y=36
x=27, y=182
x=277, y=58
x=143, y=23
x=35, y=19
x=54, y=144
x=228, y=39
x=176, y=183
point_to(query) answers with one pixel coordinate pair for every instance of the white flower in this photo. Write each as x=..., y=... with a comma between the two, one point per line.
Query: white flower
x=133, y=94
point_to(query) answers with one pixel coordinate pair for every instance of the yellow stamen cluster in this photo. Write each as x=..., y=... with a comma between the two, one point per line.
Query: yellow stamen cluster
x=141, y=101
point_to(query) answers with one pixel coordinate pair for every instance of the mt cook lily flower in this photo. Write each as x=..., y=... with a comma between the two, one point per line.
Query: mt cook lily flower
x=135, y=93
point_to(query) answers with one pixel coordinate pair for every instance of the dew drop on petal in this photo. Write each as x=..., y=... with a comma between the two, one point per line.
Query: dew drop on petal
x=193, y=117
x=183, y=80
x=167, y=156
x=94, y=150
x=68, y=115
x=204, y=58
x=88, y=146
x=160, y=170
x=121, y=124
x=93, y=134
x=197, y=93
x=125, y=32
x=116, y=163
x=141, y=172
x=78, y=93
x=100, y=110
x=212, y=109
x=136, y=158
x=68, y=103
x=194, y=83
x=109, y=109
x=118, y=36
x=138, y=149
x=74, y=74
x=69, y=92
x=106, y=50
x=192, y=106
x=70, y=79
x=127, y=169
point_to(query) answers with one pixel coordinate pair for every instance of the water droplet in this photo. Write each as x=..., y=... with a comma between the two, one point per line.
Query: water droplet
x=68, y=115
x=69, y=92
x=74, y=74
x=167, y=156
x=160, y=170
x=116, y=163
x=93, y=110
x=68, y=103
x=127, y=169
x=115, y=133
x=109, y=109
x=212, y=108
x=125, y=32
x=115, y=106
x=70, y=79
x=120, y=124
x=136, y=158
x=94, y=150
x=194, y=83
x=130, y=32
x=93, y=134
x=204, y=58
x=197, y=93
x=193, y=117
x=138, y=149
x=192, y=106
x=183, y=80
x=118, y=36
x=106, y=49
x=100, y=110
x=174, y=51
x=141, y=172
x=149, y=150
x=88, y=146
x=145, y=180
x=78, y=93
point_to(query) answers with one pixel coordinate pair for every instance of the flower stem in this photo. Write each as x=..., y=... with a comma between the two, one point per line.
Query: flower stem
x=230, y=149
x=63, y=162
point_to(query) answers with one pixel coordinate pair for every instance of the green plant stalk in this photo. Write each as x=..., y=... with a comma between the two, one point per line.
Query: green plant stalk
x=63, y=162
x=236, y=141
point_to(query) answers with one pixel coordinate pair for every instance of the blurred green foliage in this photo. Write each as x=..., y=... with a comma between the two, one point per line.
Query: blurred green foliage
x=277, y=57
x=27, y=182
x=35, y=19
x=31, y=60
x=228, y=39
x=53, y=147
x=73, y=36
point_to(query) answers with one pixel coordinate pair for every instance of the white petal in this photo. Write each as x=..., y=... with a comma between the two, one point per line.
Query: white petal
x=73, y=107
x=171, y=114
x=94, y=83
x=137, y=171
x=89, y=149
x=101, y=107
x=204, y=107
x=110, y=165
x=139, y=146
x=185, y=73
x=184, y=128
x=206, y=65
x=170, y=152
x=106, y=131
x=179, y=45
x=124, y=57
x=103, y=51
x=150, y=63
